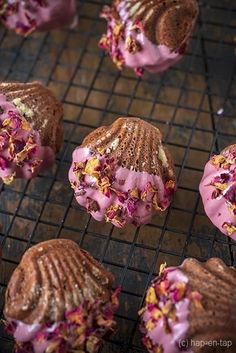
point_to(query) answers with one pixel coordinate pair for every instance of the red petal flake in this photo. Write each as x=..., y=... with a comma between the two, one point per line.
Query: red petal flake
x=3, y=163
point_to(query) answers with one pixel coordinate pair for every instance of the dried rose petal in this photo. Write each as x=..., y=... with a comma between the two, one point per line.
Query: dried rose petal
x=34, y=165
x=218, y=160
x=225, y=177
x=104, y=185
x=113, y=210
x=230, y=227
x=92, y=205
x=78, y=166
x=179, y=291
x=132, y=45
x=215, y=194
x=156, y=203
x=3, y=163
x=10, y=327
x=230, y=195
x=151, y=297
x=84, y=327
x=91, y=166
x=135, y=193
x=13, y=120
x=131, y=207
x=4, y=137
x=9, y=179
x=139, y=71
x=19, y=145
x=220, y=186
x=79, y=192
x=101, y=150
x=122, y=196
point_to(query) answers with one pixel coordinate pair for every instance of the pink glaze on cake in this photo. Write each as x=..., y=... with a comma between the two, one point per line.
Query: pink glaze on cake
x=130, y=196
x=29, y=335
x=139, y=52
x=218, y=191
x=23, y=332
x=164, y=319
x=21, y=152
x=83, y=327
x=26, y=16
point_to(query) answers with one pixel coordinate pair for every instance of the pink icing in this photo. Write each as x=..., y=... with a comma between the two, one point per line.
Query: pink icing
x=83, y=327
x=154, y=58
x=27, y=333
x=123, y=180
x=171, y=342
x=217, y=208
x=38, y=158
x=24, y=333
x=40, y=347
x=40, y=14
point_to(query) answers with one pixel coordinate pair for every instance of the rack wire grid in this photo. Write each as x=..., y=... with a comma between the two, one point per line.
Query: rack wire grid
x=193, y=104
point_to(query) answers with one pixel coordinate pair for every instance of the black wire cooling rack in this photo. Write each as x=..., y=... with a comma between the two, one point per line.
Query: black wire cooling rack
x=193, y=104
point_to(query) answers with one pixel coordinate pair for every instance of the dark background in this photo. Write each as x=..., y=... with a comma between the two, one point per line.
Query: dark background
x=183, y=102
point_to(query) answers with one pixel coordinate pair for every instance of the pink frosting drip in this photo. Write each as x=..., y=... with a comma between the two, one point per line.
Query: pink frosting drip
x=41, y=157
x=124, y=180
x=40, y=14
x=217, y=208
x=171, y=342
x=154, y=58
x=27, y=333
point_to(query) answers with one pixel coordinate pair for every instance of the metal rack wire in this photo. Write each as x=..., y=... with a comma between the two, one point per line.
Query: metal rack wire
x=194, y=106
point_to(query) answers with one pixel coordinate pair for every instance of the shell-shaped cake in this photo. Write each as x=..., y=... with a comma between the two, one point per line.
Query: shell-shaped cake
x=189, y=306
x=148, y=34
x=59, y=298
x=30, y=129
x=24, y=17
x=218, y=190
x=122, y=173
x=167, y=22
